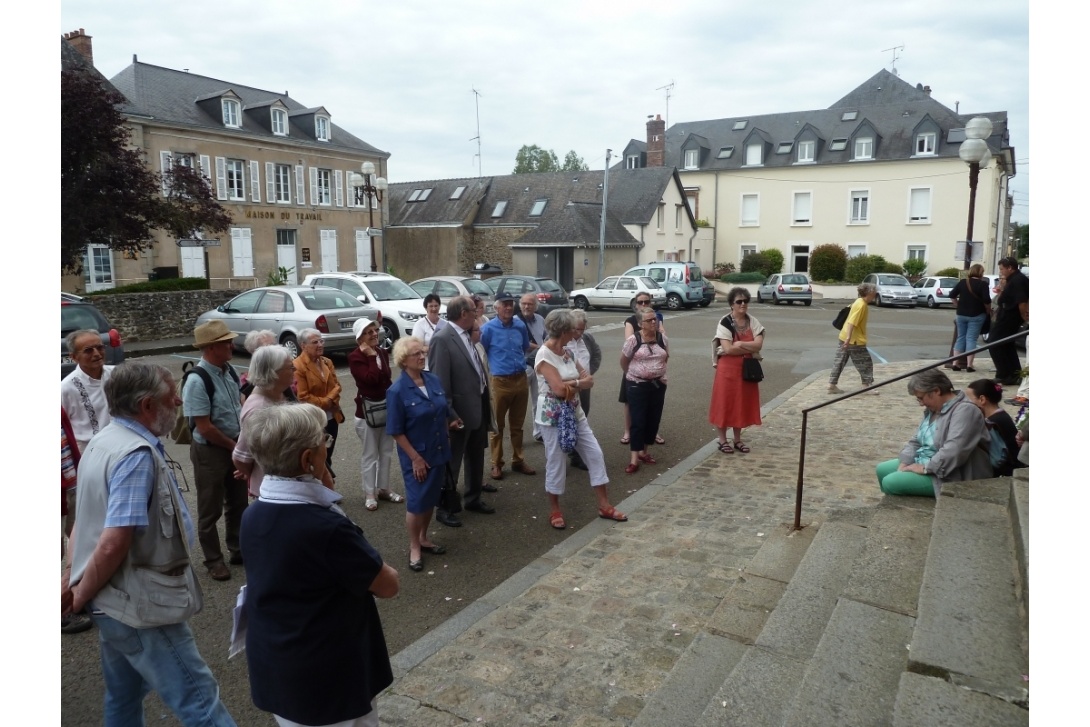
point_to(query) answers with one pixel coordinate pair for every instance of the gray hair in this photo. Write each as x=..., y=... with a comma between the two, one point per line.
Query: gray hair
x=278, y=434
x=131, y=383
x=579, y=315
x=866, y=289
x=559, y=322
x=70, y=339
x=402, y=346
x=257, y=339
x=458, y=306
x=265, y=365
x=930, y=380
x=307, y=334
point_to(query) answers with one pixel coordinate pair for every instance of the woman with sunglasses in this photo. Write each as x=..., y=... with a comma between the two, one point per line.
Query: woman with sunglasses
x=735, y=402
x=370, y=367
x=631, y=327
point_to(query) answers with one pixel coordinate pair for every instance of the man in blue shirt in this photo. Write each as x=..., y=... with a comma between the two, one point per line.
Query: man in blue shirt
x=506, y=341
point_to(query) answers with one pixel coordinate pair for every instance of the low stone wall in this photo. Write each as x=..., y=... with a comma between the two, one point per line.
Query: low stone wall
x=155, y=316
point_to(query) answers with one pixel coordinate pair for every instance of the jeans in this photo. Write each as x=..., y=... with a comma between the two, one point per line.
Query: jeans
x=968, y=332
x=164, y=658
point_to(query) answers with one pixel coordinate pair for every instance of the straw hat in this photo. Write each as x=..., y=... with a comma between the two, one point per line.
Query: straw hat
x=211, y=332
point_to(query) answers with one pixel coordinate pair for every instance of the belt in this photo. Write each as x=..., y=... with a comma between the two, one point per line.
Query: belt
x=509, y=376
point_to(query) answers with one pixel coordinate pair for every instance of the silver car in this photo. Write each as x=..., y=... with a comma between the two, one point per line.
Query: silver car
x=288, y=309
x=451, y=286
x=787, y=287
x=892, y=289
x=934, y=292
x=618, y=291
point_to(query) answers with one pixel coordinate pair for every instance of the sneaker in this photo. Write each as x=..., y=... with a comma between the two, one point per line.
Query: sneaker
x=833, y=389
x=76, y=623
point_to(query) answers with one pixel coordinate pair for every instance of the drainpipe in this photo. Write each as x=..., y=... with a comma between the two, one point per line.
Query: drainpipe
x=602, y=229
x=715, y=235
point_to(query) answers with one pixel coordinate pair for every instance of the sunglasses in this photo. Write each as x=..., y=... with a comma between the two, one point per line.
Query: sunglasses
x=740, y=302
x=643, y=302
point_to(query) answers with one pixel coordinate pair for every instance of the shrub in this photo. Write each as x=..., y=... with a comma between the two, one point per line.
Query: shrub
x=827, y=262
x=948, y=273
x=720, y=270
x=914, y=267
x=775, y=262
x=861, y=266
x=157, y=286
x=755, y=277
x=892, y=268
x=765, y=261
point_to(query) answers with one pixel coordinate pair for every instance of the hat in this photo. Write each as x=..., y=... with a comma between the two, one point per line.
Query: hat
x=360, y=326
x=211, y=332
x=505, y=296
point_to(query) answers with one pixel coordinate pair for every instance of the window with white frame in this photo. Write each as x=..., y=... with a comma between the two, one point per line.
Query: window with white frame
x=323, y=187
x=235, y=179
x=538, y=208
x=232, y=115
x=919, y=206
x=751, y=210
x=282, y=183
x=806, y=151
x=677, y=218
x=632, y=161
x=457, y=193
x=321, y=128
x=925, y=143
x=660, y=215
x=500, y=208
x=864, y=148
x=860, y=207
x=280, y=122
x=857, y=250
x=917, y=252
x=802, y=206
x=692, y=158
x=692, y=198
x=753, y=154
x=748, y=250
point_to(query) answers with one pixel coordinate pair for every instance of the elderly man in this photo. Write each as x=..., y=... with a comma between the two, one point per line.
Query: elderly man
x=83, y=396
x=454, y=359
x=535, y=327
x=506, y=341
x=214, y=406
x=130, y=561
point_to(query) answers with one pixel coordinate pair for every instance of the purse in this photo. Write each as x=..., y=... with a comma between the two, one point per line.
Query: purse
x=751, y=370
x=449, y=499
x=374, y=412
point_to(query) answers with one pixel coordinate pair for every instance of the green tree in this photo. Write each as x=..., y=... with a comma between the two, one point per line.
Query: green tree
x=1020, y=237
x=861, y=266
x=827, y=262
x=532, y=158
x=913, y=267
x=574, y=163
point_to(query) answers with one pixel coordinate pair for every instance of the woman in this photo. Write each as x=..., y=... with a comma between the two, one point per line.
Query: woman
x=314, y=641
x=255, y=340
x=370, y=367
x=853, y=341
x=950, y=445
x=974, y=306
x=560, y=380
x=588, y=354
x=986, y=394
x=631, y=326
x=417, y=413
x=478, y=302
x=643, y=361
x=316, y=383
x=735, y=402
x=430, y=324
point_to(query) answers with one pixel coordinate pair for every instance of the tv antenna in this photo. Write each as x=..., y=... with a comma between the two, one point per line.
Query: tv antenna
x=477, y=138
x=893, y=65
x=669, y=87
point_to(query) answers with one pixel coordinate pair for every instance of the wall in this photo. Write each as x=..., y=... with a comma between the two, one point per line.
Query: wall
x=420, y=252
x=155, y=316
x=490, y=245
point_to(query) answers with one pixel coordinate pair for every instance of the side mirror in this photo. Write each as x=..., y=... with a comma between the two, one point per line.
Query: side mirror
x=362, y=298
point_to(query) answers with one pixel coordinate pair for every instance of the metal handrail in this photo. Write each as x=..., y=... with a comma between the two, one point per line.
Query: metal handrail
x=838, y=399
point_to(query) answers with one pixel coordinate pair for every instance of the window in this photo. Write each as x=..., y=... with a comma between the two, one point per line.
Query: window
x=751, y=210
x=415, y=195
x=753, y=154
x=457, y=193
x=849, y=116
x=917, y=252
x=425, y=194
x=860, y=207
x=919, y=206
x=925, y=144
x=538, y=208
x=749, y=250
x=801, y=208
x=323, y=186
x=806, y=151
x=784, y=147
x=692, y=198
x=321, y=128
x=864, y=148
x=280, y=122
x=235, y=181
x=231, y=113
x=632, y=161
x=677, y=218
x=838, y=145
x=499, y=209
x=739, y=125
x=725, y=152
x=692, y=157
x=659, y=217
x=183, y=160
x=857, y=250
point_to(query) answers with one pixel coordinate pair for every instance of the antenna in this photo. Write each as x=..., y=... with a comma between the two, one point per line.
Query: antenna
x=669, y=87
x=893, y=65
x=477, y=104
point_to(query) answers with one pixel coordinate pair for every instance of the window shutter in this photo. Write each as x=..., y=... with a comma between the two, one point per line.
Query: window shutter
x=349, y=192
x=270, y=182
x=242, y=253
x=165, y=162
x=221, y=178
x=338, y=185
x=919, y=206
x=802, y=207
x=329, y=250
x=206, y=167
x=255, y=181
x=300, y=187
x=749, y=209
x=314, y=185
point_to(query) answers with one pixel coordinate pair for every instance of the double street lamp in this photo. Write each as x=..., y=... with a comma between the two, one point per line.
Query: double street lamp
x=974, y=151
x=369, y=191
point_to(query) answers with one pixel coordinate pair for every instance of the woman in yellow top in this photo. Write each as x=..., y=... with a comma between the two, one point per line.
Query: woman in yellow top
x=316, y=383
x=853, y=340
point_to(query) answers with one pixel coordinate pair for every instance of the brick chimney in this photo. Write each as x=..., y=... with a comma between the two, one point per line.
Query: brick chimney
x=656, y=142
x=81, y=42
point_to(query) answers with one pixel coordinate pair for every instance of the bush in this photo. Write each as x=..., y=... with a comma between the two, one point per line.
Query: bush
x=827, y=262
x=775, y=262
x=914, y=267
x=157, y=286
x=861, y=266
x=767, y=262
x=892, y=268
x=755, y=277
x=719, y=270
x=948, y=273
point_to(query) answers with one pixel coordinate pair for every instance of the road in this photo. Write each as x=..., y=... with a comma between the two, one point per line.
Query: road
x=490, y=548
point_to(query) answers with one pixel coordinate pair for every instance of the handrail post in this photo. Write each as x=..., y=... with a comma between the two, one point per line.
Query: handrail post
x=802, y=467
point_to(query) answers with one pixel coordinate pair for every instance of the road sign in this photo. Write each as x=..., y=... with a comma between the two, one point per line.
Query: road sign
x=373, y=232
x=197, y=242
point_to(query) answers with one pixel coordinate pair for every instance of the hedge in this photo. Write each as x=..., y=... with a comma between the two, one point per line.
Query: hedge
x=157, y=286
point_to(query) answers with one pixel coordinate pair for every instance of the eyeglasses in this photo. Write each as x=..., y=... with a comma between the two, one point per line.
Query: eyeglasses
x=93, y=349
x=643, y=302
x=419, y=353
x=371, y=332
x=316, y=342
x=740, y=302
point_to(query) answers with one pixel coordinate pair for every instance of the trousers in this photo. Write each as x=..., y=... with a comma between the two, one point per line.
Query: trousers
x=219, y=494
x=510, y=397
x=861, y=359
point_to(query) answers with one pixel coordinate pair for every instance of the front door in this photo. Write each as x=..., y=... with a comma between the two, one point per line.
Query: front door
x=800, y=258
x=285, y=255
x=546, y=263
x=98, y=268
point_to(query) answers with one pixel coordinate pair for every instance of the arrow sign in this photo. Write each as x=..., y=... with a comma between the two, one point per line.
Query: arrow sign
x=196, y=242
x=373, y=232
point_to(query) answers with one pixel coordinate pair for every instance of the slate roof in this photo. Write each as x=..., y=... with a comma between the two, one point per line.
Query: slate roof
x=438, y=208
x=171, y=96
x=72, y=59
x=578, y=224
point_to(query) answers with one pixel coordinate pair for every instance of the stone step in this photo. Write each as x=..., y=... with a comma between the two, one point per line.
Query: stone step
x=757, y=693
x=889, y=571
x=1020, y=523
x=933, y=702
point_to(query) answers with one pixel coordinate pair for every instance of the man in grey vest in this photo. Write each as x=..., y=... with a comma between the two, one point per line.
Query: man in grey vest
x=130, y=558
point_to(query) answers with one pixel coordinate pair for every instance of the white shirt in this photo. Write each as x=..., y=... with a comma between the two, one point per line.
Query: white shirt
x=578, y=348
x=84, y=400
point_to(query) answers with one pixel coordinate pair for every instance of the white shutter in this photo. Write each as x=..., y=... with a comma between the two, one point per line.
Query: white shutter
x=270, y=182
x=165, y=162
x=206, y=167
x=221, y=178
x=314, y=186
x=801, y=208
x=300, y=186
x=349, y=193
x=242, y=252
x=255, y=181
x=750, y=209
x=363, y=250
x=338, y=185
x=919, y=205
x=329, y=251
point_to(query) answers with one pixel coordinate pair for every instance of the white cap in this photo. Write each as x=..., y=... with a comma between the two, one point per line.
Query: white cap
x=360, y=326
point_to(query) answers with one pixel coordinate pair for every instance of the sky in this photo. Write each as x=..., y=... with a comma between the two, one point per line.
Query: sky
x=570, y=75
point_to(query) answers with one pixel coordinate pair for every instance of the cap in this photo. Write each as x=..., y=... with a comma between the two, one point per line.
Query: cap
x=505, y=296
x=360, y=326
x=211, y=332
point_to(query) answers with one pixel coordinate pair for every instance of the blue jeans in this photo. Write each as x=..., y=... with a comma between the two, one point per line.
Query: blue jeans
x=165, y=658
x=968, y=332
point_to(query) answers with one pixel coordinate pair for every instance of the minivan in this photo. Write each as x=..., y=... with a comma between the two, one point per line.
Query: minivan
x=683, y=281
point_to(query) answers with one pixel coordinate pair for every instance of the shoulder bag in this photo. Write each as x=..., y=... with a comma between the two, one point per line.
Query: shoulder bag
x=374, y=412
x=449, y=499
x=751, y=370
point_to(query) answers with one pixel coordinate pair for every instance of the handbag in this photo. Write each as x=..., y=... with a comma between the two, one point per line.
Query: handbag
x=374, y=412
x=566, y=427
x=751, y=370
x=449, y=499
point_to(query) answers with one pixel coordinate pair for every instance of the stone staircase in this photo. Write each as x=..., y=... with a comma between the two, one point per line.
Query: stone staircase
x=914, y=613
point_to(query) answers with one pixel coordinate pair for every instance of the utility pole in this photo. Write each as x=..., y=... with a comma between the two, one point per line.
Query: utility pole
x=602, y=229
x=477, y=103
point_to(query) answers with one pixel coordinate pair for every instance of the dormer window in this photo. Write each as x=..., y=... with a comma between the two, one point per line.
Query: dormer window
x=739, y=125
x=457, y=193
x=925, y=144
x=232, y=115
x=692, y=158
x=725, y=152
x=632, y=161
x=538, y=208
x=321, y=128
x=864, y=148
x=499, y=209
x=753, y=154
x=280, y=122
x=806, y=151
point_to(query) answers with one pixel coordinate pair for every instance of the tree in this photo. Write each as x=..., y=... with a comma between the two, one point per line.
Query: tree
x=1020, y=238
x=109, y=195
x=574, y=163
x=533, y=158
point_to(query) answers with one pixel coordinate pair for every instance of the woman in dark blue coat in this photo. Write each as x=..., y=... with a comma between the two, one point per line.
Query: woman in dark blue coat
x=417, y=413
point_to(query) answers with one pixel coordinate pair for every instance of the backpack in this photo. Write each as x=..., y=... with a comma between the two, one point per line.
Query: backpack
x=997, y=448
x=639, y=342
x=841, y=318
x=183, y=425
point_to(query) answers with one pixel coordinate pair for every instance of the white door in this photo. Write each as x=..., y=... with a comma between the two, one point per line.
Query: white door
x=285, y=258
x=329, y=251
x=192, y=262
x=242, y=253
x=363, y=250
x=98, y=268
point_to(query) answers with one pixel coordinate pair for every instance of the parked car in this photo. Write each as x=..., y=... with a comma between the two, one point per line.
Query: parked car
x=709, y=294
x=288, y=309
x=618, y=291
x=550, y=294
x=683, y=281
x=401, y=306
x=451, y=286
x=892, y=289
x=787, y=287
x=79, y=314
x=934, y=292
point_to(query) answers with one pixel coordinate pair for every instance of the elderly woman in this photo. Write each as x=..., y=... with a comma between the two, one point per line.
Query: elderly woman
x=255, y=340
x=588, y=354
x=417, y=413
x=853, y=341
x=735, y=402
x=314, y=641
x=631, y=328
x=643, y=360
x=431, y=323
x=316, y=383
x=951, y=443
x=560, y=380
x=370, y=367
x=478, y=303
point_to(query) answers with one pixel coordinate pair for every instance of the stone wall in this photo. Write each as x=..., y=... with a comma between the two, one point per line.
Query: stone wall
x=155, y=316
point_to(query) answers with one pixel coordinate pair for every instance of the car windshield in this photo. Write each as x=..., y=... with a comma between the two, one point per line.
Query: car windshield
x=549, y=285
x=649, y=283
x=892, y=280
x=391, y=290
x=478, y=287
x=947, y=282
x=794, y=279
x=327, y=299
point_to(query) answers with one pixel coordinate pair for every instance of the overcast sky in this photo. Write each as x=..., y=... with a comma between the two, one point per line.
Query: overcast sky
x=570, y=75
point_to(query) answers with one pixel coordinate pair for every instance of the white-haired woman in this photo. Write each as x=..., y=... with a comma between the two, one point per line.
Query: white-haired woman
x=314, y=643
x=316, y=383
x=253, y=341
x=370, y=367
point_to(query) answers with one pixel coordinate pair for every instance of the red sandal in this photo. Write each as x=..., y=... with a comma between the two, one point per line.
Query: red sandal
x=612, y=513
x=557, y=520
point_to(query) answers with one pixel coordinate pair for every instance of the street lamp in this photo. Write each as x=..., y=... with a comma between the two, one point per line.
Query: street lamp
x=366, y=191
x=974, y=151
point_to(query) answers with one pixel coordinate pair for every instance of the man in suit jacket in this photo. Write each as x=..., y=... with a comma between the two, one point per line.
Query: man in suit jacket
x=454, y=359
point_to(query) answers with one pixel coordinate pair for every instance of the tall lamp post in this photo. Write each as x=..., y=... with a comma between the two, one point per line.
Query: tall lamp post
x=369, y=188
x=974, y=151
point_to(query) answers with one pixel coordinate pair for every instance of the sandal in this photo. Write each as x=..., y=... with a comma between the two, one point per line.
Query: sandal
x=557, y=520
x=390, y=496
x=646, y=459
x=631, y=469
x=741, y=447
x=371, y=504
x=725, y=448
x=659, y=440
x=625, y=439
x=612, y=514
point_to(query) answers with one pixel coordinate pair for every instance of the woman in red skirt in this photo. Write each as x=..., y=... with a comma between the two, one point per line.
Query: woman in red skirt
x=735, y=404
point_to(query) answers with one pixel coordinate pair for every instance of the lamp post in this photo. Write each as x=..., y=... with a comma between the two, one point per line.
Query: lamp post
x=367, y=189
x=974, y=151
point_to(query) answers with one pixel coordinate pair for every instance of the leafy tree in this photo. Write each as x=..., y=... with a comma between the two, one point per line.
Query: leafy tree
x=861, y=266
x=574, y=163
x=827, y=262
x=533, y=158
x=775, y=261
x=109, y=195
x=1020, y=235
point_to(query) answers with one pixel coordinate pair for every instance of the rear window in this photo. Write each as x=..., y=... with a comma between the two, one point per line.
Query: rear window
x=327, y=299
x=947, y=282
x=694, y=273
x=892, y=280
x=795, y=279
x=75, y=317
x=391, y=290
x=650, y=283
x=473, y=285
x=549, y=285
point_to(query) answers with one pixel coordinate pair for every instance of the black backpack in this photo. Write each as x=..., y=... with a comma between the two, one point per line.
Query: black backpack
x=841, y=317
x=183, y=425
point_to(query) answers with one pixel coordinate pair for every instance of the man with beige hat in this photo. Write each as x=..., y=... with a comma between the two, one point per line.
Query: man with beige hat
x=212, y=402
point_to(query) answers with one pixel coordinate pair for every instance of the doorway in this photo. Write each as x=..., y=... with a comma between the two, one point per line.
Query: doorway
x=285, y=255
x=800, y=258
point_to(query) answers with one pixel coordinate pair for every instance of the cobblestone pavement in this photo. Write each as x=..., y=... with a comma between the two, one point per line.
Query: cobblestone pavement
x=584, y=635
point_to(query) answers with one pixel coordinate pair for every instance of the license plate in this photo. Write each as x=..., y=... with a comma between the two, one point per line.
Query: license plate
x=346, y=325
x=66, y=359
x=795, y=288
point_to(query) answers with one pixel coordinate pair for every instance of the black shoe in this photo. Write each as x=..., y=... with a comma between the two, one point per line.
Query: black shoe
x=416, y=565
x=447, y=519
x=1011, y=381
x=481, y=507
x=75, y=623
x=489, y=488
x=235, y=559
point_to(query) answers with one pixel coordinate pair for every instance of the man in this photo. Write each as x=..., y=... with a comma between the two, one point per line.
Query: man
x=506, y=341
x=215, y=422
x=453, y=358
x=130, y=560
x=1012, y=310
x=535, y=326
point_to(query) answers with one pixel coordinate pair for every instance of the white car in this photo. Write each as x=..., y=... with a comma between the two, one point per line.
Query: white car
x=892, y=289
x=400, y=305
x=618, y=291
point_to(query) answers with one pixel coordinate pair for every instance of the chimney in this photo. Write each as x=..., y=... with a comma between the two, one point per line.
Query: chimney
x=656, y=142
x=81, y=42
x=927, y=90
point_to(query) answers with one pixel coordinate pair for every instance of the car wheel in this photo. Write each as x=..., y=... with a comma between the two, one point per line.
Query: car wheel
x=581, y=303
x=291, y=343
x=674, y=301
x=931, y=302
x=391, y=335
x=705, y=303
x=759, y=298
x=775, y=299
x=807, y=303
